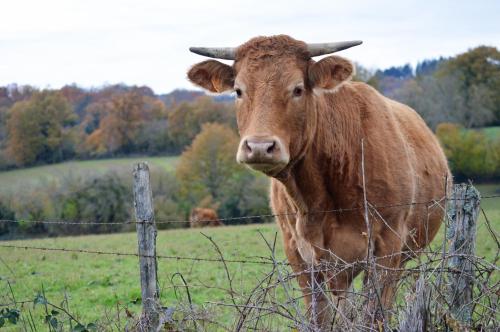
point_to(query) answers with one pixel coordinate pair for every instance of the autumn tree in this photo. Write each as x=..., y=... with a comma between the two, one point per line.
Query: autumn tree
x=478, y=73
x=118, y=122
x=40, y=129
x=207, y=171
x=3, y=126
x=78, y=97
x=186, y=119
x=153, y=137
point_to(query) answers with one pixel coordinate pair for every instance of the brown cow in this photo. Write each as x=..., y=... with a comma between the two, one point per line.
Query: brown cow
x=202, y=217
x=304, y=123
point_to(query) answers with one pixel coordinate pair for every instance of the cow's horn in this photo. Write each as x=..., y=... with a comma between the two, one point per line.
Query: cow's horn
x=226, y=53
x=327, y=48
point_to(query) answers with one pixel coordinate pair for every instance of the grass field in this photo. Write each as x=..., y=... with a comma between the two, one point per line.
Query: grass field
x=96, y=285
x=492, y=132
x=36, y=176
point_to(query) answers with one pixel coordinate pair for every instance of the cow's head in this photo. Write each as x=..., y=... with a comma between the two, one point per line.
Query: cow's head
x=276, y=83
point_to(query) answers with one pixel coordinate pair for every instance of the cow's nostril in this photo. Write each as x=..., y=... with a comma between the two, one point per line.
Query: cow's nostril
x=270, y=149
x=259, y=150
x=247, y=146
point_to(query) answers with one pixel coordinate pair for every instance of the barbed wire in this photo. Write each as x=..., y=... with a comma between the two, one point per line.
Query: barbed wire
x=263, y=260
x=262, y=216
x=114, y=253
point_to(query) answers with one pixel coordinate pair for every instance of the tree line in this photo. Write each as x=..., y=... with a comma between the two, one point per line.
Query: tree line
x=463, y=90
x=50, y=126
x=53, y=125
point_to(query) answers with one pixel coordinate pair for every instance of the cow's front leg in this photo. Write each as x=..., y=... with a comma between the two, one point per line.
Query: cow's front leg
x=312, y=283
x=339, y=277
x=383, y=275
x=317, y=297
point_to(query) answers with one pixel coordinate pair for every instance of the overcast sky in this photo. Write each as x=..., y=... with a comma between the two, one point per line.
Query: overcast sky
x=95, y=42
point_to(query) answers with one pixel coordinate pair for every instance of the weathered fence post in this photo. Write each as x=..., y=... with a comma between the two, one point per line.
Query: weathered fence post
x=146, y=237
x=461, y=234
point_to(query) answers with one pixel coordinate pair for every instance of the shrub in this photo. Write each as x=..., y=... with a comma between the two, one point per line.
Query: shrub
x=103, y=200
x=6, y=214
x=165, y=188
x=471, y=154
x=33, y=205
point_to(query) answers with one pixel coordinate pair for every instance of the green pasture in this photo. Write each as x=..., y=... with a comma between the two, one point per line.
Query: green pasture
x=99, y=286
x=491, y=132
x=27, y=178
x=103, y=288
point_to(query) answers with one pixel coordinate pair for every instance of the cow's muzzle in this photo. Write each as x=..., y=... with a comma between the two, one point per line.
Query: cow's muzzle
x=263, y=153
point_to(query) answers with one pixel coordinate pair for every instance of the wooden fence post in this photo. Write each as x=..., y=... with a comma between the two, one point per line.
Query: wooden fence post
x=146, y=237
x=463, y=211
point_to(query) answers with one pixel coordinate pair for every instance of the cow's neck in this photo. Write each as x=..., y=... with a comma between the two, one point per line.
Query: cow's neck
x=329, y=165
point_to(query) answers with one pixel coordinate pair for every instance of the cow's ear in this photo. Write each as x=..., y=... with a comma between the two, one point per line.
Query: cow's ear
x=330, y=73
x=212, y=75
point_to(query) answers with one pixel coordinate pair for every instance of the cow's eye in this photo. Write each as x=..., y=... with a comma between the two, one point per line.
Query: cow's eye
x=238, y=92
x=297, y=91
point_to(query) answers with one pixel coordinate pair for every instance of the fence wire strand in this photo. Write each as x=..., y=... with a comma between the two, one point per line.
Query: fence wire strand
x=114, y=253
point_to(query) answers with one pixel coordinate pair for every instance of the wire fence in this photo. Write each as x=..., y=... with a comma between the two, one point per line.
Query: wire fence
x=275, y=302
x=229, y=219
x=99, y=252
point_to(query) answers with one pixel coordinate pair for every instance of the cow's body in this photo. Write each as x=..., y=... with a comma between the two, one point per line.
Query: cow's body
x=204, y=217
x=303, y=123
x=403, y=163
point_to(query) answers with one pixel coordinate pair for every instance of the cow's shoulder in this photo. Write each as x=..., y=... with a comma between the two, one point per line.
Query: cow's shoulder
x=365, y=99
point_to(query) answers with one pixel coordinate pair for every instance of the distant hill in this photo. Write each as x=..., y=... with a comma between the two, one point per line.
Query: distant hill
x=180, y=95
x=393, y=78
x=184, y=95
